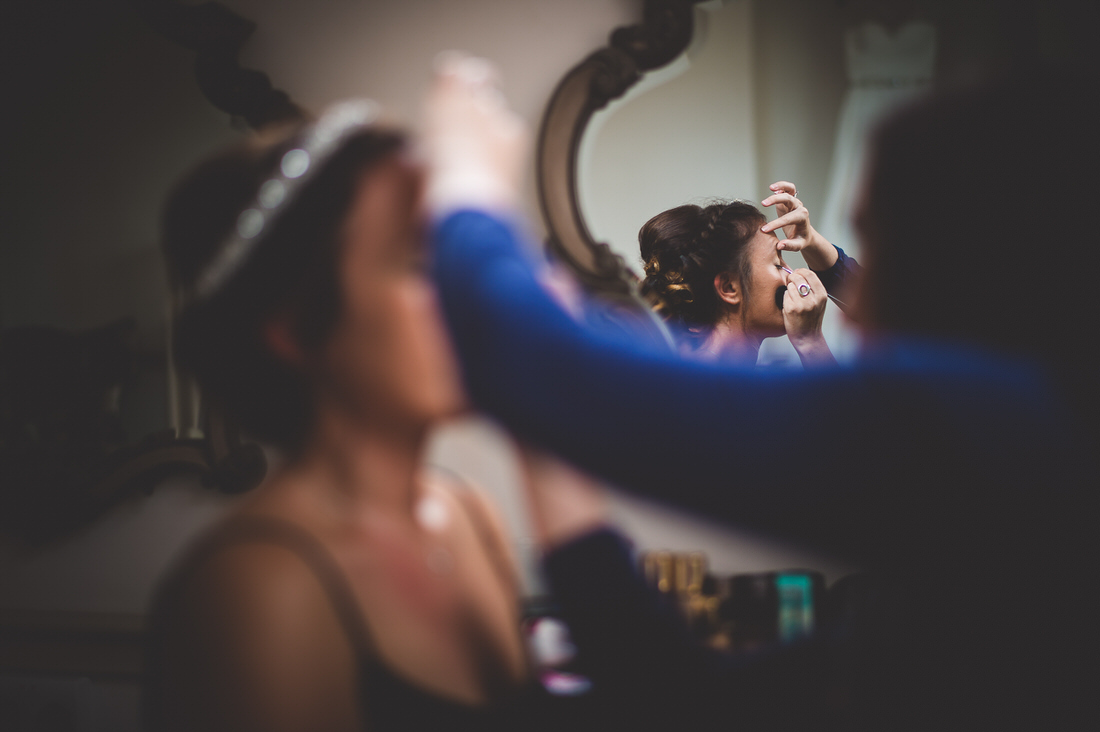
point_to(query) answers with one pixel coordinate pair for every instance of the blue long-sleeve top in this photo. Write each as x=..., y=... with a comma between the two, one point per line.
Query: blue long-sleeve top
x=838, y=278
x=950, y=473
x=847, y=459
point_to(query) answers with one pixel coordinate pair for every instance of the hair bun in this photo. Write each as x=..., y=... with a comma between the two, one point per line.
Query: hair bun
x=684, y=249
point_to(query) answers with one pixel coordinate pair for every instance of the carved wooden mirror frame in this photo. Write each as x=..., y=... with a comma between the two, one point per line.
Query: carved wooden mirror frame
x=664, y=33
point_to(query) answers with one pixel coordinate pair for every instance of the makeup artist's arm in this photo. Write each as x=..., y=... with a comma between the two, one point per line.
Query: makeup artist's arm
x=710, y=437
x=836, y=270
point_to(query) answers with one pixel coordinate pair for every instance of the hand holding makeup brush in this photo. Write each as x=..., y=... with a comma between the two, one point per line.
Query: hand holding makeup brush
x=803, y=313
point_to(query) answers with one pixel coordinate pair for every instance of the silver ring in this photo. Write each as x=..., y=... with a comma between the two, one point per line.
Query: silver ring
x=803, y=289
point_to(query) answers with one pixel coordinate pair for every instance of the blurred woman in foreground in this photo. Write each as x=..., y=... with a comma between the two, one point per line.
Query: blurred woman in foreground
x=353, y=589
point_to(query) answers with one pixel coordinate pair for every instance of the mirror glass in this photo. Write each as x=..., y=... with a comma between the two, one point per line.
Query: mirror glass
x=769, y=91
x=683, y=134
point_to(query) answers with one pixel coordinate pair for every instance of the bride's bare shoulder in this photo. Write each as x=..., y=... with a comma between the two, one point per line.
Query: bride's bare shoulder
x=248, y=627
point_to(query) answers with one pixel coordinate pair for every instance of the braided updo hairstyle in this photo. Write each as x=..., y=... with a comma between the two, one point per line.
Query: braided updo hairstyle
x=684, y=249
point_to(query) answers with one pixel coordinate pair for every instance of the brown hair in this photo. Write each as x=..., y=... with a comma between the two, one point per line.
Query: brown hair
x=684, y=249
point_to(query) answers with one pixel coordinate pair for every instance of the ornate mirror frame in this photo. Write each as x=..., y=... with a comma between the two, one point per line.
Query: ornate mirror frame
x=665, y=31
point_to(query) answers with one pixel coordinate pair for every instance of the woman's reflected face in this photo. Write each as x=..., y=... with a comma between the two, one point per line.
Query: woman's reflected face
x=389, y=355
x=762, y=315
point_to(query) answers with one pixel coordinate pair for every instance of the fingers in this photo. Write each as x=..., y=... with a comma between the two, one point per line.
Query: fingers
x=803, y=306
x=799, y=215
x=786, y=199
x=473, y=143
x=784, y=204
x=459, y=65
x=457, y=72
x=784, y=186
x=806, y=291
x=799, y=290
x=466, y=84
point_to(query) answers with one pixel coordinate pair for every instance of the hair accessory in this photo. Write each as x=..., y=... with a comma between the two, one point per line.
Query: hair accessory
x=315, y=145
x=803, y=289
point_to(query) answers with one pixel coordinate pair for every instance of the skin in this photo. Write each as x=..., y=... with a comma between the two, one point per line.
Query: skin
x=803, y=315
x=794, y=219
x=750, y=314
x=258, y=646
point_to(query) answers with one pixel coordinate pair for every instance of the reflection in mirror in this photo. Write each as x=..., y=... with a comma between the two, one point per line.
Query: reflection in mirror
x=683, y=134
x=769, y=91
x=706, y=127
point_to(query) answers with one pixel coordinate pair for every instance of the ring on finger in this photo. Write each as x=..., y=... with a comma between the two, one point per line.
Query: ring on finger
x=803, y=289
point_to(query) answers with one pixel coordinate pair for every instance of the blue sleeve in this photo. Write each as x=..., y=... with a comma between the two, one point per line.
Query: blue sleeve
x=873, y=445
x=839, y=278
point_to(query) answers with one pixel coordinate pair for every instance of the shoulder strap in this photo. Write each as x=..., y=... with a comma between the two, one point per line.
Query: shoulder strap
x=309, y=549
x=488, y=538
x=490, y=660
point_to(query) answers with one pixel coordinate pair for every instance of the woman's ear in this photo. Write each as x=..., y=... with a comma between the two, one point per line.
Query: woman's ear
x=279, y=337
x=728, y=289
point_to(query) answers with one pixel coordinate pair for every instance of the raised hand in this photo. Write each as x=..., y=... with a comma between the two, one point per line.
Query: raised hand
x=800, y=235
x=474, y=143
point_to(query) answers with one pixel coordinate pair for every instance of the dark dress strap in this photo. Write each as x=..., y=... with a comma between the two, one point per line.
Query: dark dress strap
x=245, y=530
x=309, y=549
x=388, y=700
